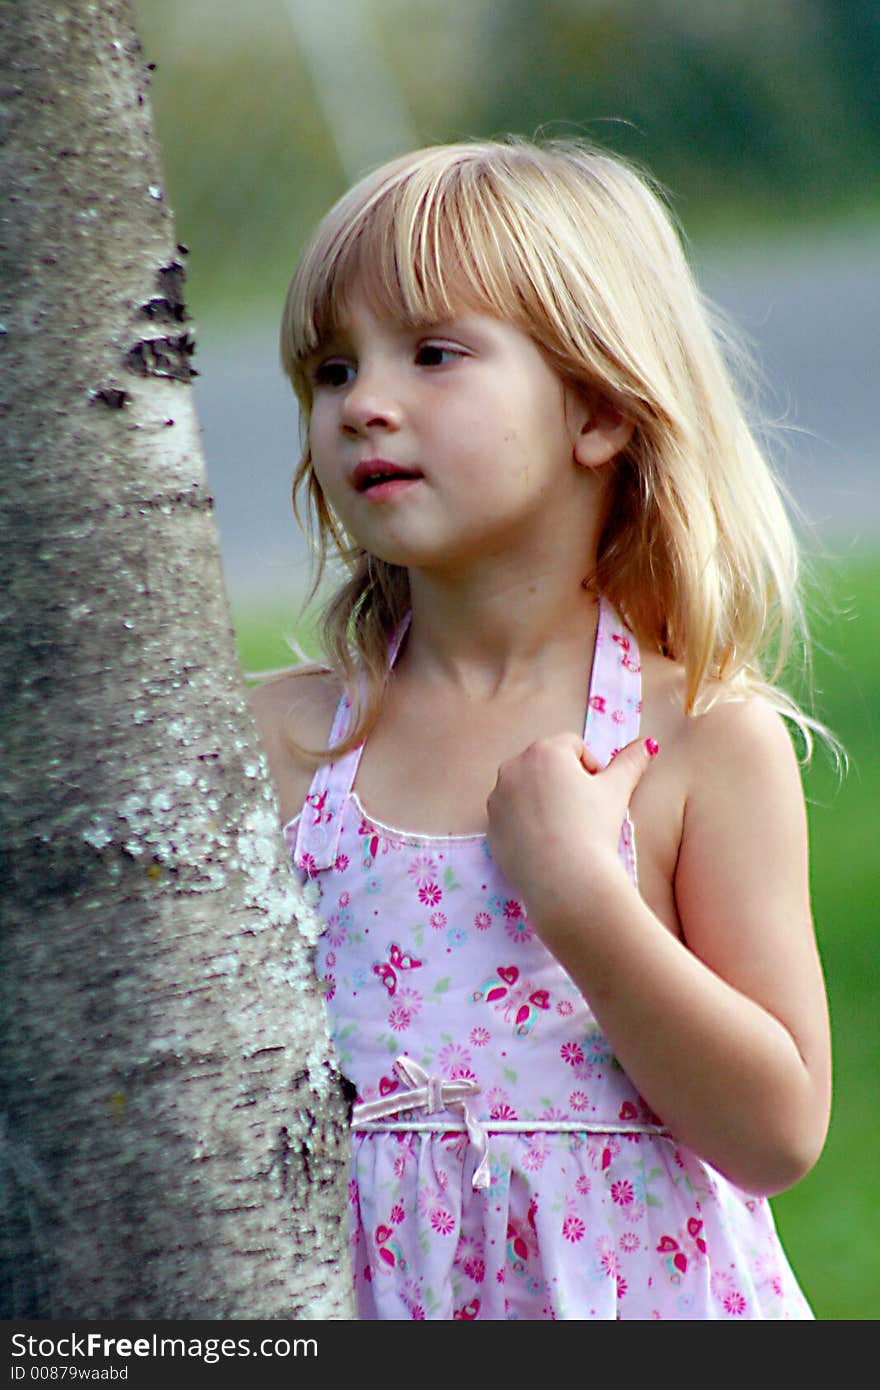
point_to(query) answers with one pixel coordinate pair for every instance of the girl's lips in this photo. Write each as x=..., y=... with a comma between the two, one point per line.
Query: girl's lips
x=389, y=487
x=379, y=475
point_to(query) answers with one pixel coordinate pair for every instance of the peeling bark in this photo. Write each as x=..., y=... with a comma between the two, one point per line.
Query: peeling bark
x=174, y=1135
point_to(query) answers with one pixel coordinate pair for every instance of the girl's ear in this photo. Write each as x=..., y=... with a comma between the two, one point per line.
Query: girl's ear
x=603, y=432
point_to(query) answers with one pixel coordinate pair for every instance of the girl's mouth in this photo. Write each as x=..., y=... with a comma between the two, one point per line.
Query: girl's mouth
x=382, y=477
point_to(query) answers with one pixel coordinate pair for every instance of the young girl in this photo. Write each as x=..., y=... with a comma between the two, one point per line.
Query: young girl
x=557, y=824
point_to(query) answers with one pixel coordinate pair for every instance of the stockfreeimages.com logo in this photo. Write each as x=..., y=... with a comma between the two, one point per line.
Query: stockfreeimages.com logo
x=71, y=1348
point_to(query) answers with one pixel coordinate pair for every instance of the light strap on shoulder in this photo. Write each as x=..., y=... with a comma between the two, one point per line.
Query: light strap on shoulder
x=317, y=836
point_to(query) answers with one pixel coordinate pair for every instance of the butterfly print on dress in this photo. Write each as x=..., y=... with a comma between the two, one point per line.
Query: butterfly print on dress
x=514, y=998
x=397, y=960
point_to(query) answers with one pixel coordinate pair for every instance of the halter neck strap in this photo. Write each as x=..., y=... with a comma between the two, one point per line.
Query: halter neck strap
x=614, y=703
x=317, y=836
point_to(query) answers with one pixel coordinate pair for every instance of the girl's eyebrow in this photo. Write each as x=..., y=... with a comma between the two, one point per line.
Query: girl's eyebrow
x=333, y=341
x=467, y=324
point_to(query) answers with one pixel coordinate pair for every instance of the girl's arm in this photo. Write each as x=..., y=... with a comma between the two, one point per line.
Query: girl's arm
x=293, y=709
x=725, y=1031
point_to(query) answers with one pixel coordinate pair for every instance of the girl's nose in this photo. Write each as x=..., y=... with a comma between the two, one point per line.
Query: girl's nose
x=370, y=403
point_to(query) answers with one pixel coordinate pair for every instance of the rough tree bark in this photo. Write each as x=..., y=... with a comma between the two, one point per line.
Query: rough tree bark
x=173, y=1142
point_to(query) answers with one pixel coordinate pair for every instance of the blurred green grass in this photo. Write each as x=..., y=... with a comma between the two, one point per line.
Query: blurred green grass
x=830, y=1223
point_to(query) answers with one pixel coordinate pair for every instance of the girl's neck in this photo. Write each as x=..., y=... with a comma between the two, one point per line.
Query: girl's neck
x=500, y=632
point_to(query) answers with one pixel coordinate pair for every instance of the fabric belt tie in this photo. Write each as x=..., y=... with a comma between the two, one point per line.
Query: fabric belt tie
x=432, y=1094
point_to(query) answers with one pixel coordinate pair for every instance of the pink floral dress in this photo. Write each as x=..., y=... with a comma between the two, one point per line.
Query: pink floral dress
x=502, y=1165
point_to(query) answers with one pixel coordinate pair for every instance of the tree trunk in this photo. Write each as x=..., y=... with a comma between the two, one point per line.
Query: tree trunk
x=174, y=1137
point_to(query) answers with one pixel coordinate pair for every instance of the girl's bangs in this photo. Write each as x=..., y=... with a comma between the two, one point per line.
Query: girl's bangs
x=421, y=252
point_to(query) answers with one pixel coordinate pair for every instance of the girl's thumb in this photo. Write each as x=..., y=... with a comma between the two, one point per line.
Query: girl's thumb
x=630, y=763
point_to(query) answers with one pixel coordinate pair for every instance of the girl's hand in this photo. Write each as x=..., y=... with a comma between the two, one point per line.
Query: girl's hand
x=554, y=814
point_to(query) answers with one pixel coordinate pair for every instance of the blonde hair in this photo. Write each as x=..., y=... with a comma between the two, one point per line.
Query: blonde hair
x=578, y=250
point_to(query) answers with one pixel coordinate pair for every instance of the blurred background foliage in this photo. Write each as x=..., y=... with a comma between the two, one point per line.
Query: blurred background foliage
x=762, y=120
x=751, y=112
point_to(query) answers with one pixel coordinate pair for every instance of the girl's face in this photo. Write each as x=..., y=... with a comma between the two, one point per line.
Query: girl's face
x=444, y=445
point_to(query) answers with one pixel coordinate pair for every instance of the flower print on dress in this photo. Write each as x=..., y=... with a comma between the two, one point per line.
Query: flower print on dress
x=768, y=1273
x=451, y=1056
x=410, y=998
x=309, y=865
x=622, y=1193
x=606, y=1264
x=597, y=1047
x=535, y=1152
x=572, y=1053
x=405, y=1157
x=431, y=1197
x=399, y=1018
x=510, y=913
x=735, y=1304
x=416, y=1309
x=442, y=1221
x=498, y=1102
x=423, y=869
x=335, y=930
x=574, y=1228
x=469, y=1259
x=515, y=921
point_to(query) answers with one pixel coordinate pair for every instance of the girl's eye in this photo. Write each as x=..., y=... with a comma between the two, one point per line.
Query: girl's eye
x=333, y=373
x=436, y=354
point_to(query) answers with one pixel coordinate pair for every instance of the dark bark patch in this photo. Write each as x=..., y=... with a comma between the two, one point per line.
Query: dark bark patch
x=281, y=1159
x=349, y=1091
x=111, y=396
x=169, y=304
x=165, y=357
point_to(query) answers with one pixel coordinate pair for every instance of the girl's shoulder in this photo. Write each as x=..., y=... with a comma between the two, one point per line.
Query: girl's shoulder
x=719, y=817
x=733, y=758
x=731, y=722
x=294, y=713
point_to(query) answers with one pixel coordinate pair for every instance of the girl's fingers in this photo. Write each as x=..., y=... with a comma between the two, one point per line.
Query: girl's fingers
x=629, y=764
